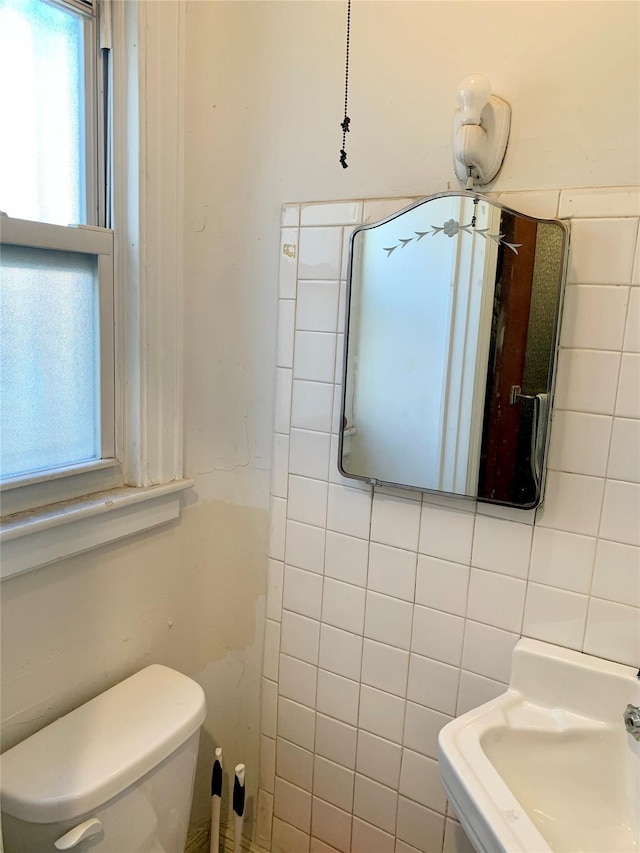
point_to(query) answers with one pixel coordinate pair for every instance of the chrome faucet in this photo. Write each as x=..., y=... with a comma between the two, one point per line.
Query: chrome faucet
x=632, y=721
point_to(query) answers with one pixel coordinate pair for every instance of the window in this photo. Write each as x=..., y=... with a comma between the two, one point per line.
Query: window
x=56, y=314
x=90, y=354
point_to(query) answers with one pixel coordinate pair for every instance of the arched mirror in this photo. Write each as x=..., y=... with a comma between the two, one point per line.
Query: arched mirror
x=452, y=324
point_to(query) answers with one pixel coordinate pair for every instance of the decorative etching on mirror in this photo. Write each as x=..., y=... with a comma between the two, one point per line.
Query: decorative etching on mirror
x=450, y=349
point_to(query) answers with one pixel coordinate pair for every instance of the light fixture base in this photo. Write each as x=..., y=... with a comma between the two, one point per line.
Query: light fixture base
x=482, y=147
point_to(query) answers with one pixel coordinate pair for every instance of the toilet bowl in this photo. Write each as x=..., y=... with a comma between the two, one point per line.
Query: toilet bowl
x=114, y=776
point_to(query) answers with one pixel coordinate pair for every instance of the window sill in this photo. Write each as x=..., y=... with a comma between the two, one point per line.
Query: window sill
x=43, y=536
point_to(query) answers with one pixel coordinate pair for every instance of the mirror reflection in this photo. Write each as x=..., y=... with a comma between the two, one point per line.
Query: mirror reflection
x=453, y=308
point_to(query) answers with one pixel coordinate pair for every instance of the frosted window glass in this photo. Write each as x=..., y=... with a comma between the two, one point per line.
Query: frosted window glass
x=42, y=110
x=49, y=360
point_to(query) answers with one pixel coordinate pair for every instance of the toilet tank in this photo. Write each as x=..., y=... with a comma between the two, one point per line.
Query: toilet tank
x=118, y=772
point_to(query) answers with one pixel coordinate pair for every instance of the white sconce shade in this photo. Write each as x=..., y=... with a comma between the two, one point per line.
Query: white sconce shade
x=480, y=131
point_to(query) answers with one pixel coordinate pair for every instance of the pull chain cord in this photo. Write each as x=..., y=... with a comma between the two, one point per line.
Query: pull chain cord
x=346, y=121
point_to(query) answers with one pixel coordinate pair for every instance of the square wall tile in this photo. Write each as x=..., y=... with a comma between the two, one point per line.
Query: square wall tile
x=336, y=741
x=264, y=819
x=311, y=406
x=572, y=502
x=580, y=443
x=277, y=527
x=300, y=637
x=621, y=512
x=332, y=213
x=290, y=215
x=616, y=575
x=332, y=825
x=292, y=804
x=602, y=251
x=320, y=253
x=385, y=667
x=501, y=546
x=338, y=697
x=349, y=511
x=288, y=839
x=294, y=764
x=600, y=202
x=419, y=826
x=375, y=803
x=628, y=402
x=446, y=533
x=297, y=681
x=583, y=303
x=267, y=763
x=346, y=250
x=381, y=713
x=374, y=754
x=388, y=620
x=378, y=209
x=587, y=381
x=304, y=547
x=317, y=306
x=286, y=326
x=308, y=500
x=635, y=275
x=395, y=521
x=288, y=263
x=613, y=632
x=302, y=592
x=475, y=690
x=271, y=649
x=433, y=684
x=275, y=582
x=392, y=571
x=280, y=465
x=624, y=456
x=346, y=558
x=333, y=783
x=555, y=616
x=296, y=723
x=420, y=781
x=309, y=453
x=437, y=635
x=496, y=600
x=315, y=356
x=340, y=652
x=282, y=415
x=540, y=203
x=442, y=585
x=456, y=839
x=487, y=651
x=422, y=727
x=269, y=708
x=369, y=839
x=343, y=606
x=631, y=341
x=563, y=560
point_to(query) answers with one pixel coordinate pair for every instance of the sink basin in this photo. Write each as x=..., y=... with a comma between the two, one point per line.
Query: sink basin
x=548, y=766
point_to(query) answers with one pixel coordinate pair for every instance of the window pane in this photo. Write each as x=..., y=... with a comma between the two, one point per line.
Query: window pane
x=42, y=112
x=49, y=360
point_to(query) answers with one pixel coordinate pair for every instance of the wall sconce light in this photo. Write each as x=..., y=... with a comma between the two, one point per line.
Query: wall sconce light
x=480, y=131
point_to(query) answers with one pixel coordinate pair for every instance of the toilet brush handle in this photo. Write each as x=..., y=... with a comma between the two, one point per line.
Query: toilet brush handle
x=78, y=833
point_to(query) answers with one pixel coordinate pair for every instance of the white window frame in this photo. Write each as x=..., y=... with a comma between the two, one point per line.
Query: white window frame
x=146, y=82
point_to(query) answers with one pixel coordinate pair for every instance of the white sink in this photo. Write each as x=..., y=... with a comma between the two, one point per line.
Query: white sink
x=548, y=766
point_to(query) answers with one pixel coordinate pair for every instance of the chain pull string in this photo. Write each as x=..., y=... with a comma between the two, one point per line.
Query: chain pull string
x=346, y=121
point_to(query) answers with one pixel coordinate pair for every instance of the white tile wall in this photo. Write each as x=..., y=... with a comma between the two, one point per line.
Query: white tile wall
x=394, y=612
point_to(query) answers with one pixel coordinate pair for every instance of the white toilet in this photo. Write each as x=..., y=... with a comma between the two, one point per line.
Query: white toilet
x=113, y=776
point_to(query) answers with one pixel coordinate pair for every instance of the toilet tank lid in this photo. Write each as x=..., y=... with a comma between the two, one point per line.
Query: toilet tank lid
x=93, y=753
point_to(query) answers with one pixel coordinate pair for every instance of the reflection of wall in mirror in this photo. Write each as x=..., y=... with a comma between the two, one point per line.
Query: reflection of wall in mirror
x=402, y=347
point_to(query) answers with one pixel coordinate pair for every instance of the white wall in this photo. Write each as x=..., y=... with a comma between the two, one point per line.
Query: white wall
x=263, y=104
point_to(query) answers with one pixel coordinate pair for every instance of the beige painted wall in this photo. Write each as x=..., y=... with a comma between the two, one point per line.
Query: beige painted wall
x=263, y=104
